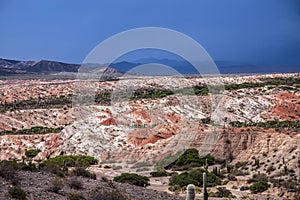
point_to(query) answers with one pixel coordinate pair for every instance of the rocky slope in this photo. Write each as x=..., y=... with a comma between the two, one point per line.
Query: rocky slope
x=146, y=130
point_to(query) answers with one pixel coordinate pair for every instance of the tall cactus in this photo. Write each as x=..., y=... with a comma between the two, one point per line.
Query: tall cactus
x=205, y=194
x=190, y=192
x=205, y=165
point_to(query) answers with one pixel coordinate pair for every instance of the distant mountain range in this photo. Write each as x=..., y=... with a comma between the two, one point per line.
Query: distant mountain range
x=13, y=67
x=35, y=67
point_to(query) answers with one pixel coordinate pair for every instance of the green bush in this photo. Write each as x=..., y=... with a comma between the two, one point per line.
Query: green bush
x=222, y=192
x=194, y=177
x=258, y=178
x=267, y=124
x=133, y=179
x=71, y=161
x=17, y=192
x=191, y=158
x=32, y=130
x=159, y=173
x=32, y=153
x=144, y=93
x=168, y=160
x=258, y=187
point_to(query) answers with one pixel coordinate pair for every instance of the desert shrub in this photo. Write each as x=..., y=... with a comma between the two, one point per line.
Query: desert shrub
x=17, y=165
x=143, y=93
x=80, y=171
x=159, y=173
x=72, y=161
x=56, y=186
x=267, y=124
x=133, y=179
x=166, y=161
x=54, y=169
x=17, y=192
x=7, y=170
x=189, y=159
x=290, y=185
x=244, y=188
x=194, y=177
x=33, y=130
x=117, y=167
x=104, y=194
x=240, y=164
x=141, y=164
x=239, y=173
x=222, y=192
x=258, y=178
x=32, y=153
x=259, y=186
x=231, y=177
x=175, y=188
x=75, y=196
x=200, y=90
x=75, y=183
x=270, y=169
x=143, y=169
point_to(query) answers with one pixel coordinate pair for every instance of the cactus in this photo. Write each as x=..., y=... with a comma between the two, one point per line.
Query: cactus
x=215, y=171
x=228, y=167
x=190, y=192
x=205, y=194
x=205, y=165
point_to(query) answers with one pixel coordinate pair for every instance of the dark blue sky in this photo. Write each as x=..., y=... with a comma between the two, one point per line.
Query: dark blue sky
x=262, y=32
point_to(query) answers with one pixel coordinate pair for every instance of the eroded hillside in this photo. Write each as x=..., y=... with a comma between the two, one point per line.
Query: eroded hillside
x=158, y=116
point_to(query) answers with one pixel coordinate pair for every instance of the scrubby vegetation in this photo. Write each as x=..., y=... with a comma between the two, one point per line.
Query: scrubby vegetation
x=222, y=192
x=80, y=171
x=189, y=159
x=16, y=192
x=260, y=186
x=133, y=179
x=267, y=124
x=75, y=183
x=52, y=102
x=160, y=173
x=265, y=82
x=31, y=153
x=99, y=193
x=195, y=177
x=71, y=161
x=146, y=93
x=32, y=131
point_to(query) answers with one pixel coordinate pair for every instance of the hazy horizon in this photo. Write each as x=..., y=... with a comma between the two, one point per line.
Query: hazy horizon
x=254, y=32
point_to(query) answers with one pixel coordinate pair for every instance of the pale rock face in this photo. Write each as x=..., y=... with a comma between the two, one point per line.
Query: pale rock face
x=14, y=146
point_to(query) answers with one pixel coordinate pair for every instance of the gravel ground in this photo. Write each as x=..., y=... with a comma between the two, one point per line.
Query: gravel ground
x=37, y=185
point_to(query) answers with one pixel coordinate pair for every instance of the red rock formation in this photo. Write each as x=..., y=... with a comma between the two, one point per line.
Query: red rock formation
x=108, y=122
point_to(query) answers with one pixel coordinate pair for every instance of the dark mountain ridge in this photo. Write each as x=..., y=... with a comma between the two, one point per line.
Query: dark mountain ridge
x=14, y=67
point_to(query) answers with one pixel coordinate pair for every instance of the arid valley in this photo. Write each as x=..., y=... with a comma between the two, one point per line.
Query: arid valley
x=247, y=133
